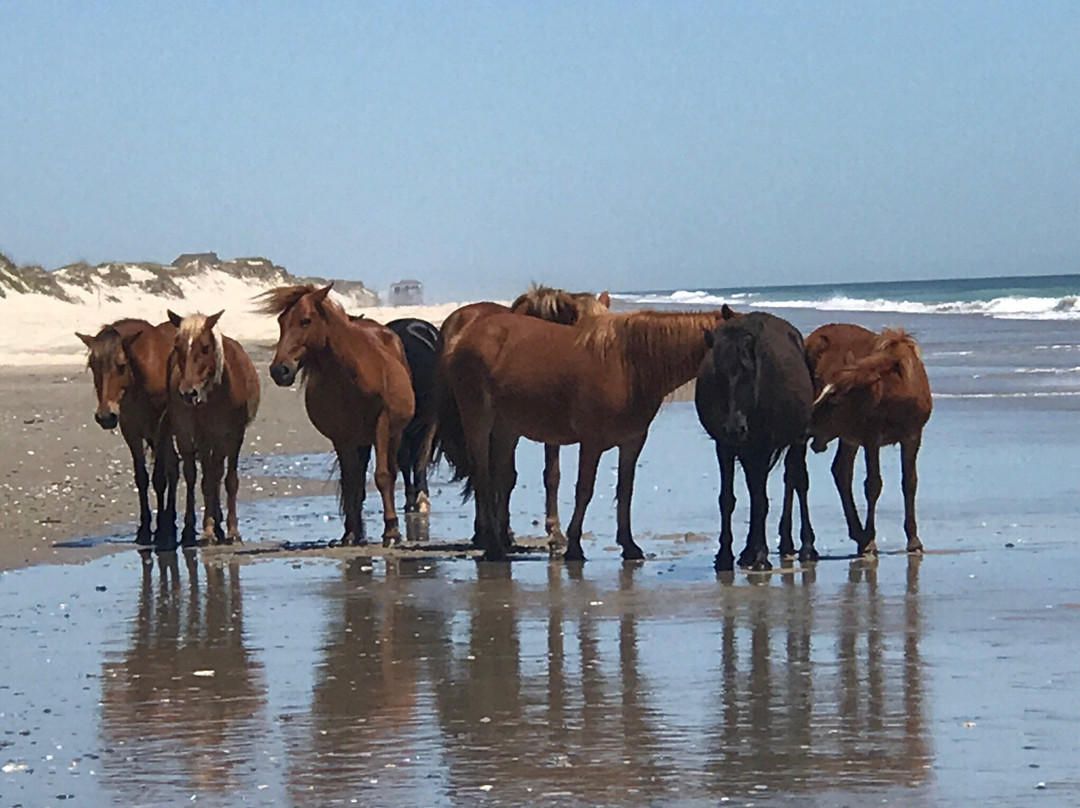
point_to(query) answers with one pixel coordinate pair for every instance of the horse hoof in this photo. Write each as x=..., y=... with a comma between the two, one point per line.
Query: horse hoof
x=915, y=547
x=761, y=566
x=143, y=537
x=633, y=553
x=808, y=556
x=574, y=554
x=869, y=549
x=423, y=504
x=725, y=562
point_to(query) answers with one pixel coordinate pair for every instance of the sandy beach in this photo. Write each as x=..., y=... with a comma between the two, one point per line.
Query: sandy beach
x=62, y=476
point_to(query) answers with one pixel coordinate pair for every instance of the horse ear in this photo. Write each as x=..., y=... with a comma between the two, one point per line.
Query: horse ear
x=212, y=320
x=128, y=341
x=727, y=313
x=319, y=295
x=175, y=318
x=604, y=299
x=710, y=338
x=88, y=341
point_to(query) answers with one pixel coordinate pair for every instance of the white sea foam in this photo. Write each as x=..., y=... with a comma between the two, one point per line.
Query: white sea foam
x=1015, y=307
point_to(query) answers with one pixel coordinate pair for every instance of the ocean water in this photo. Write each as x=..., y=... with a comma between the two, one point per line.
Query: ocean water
x=1032, y=297
x=1016, y=337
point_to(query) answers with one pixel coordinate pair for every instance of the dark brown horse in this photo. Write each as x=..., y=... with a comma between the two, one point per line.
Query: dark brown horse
x=358, y=392
x=215, y=395
x=129, y=360
x=754, y=394
x=872, y=392
x=598, y=384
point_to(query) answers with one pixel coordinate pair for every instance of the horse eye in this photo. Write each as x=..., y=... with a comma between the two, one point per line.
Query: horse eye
x=305, y=322
x=206, y=349
x=120, y=367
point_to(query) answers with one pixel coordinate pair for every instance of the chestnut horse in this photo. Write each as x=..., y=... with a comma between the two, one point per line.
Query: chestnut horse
x=129, y=360
x=358, y=392
x=872, y=392
x=557, y=306
x=215, y=395
x=546, y=303
x=754, y=395
x=598, y=384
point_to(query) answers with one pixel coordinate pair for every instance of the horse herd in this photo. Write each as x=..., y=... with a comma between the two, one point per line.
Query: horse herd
x=555, y=367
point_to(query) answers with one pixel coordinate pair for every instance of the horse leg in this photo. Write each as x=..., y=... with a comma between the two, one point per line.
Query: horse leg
x=187, y=454
x=232, y=485
x=142, y=483
x=166, y=472
x=478, y=422
x=588, y=460
x=423, y=502
x=787, y=544
x=213, y=464
x=551, y=493
x=386, y=454
x=872, y=489
x=843, y=471
x=795, y=463
x=504, y=478
x=725, y=456
x=405, y=461
x=909, y=453
x=624, y=492
x=756, y=553
x=353, y=475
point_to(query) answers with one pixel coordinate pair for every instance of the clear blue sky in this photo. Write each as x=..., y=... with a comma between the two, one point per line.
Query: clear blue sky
x=476, y=146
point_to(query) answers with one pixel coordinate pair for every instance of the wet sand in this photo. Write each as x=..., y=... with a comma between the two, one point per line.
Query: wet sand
x=62, y=476
x=273, y=675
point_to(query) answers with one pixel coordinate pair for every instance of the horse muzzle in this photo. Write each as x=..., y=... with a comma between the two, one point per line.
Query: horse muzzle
x=107, y=419
x=284, y=373
x=190, y=395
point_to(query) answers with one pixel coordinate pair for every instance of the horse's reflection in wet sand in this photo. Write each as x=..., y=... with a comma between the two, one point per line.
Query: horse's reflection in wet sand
x=181, y=708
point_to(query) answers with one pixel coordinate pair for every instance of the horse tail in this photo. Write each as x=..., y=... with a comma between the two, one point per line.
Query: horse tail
x=447, y=437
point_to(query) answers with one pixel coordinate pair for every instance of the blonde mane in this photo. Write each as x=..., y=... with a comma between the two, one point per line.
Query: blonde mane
x=193, y=325
x=659, y=349
x=557, y=305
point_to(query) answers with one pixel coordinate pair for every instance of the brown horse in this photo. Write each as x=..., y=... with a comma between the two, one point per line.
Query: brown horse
x=358, y=392
x=598, y=384
x=546, y=303
x=872, y=392
x=129, y=360
x=557, y=306
x=214, y=396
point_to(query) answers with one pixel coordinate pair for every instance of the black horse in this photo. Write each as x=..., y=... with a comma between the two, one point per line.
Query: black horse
x=754, y=396
x=421, y=342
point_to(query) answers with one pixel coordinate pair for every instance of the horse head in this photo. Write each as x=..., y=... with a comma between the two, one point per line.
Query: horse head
x=111, y=365
x=303, y=327
x=734, y=358
x=198, y=360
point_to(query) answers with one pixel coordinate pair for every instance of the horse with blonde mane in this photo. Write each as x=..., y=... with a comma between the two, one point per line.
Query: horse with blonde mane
x=598, y=384
x=215, y=395
x=358, y=392
x=872, y=392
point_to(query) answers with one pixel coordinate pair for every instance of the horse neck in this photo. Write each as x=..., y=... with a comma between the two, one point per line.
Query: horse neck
x=664, y=350
x=348, y=351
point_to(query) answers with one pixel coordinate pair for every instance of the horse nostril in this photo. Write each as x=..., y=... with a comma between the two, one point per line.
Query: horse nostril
x=107, y=420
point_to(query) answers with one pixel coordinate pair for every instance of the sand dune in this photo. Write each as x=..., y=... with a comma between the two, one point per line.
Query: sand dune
x=36, y=329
